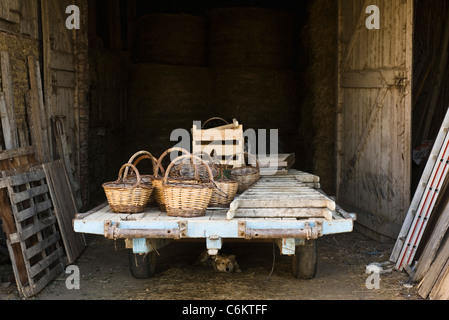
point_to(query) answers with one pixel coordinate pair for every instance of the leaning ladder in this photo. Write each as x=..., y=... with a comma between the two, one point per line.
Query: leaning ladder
x=424, y=200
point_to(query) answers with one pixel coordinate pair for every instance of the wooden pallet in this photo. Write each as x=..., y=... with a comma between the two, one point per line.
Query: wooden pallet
x=281, y=197
x=34, y=241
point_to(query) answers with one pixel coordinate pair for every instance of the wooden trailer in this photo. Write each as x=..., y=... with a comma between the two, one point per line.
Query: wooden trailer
x=287, y=209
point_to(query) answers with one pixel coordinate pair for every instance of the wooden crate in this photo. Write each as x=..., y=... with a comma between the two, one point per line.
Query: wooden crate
x=224, y=142
x=34, y=242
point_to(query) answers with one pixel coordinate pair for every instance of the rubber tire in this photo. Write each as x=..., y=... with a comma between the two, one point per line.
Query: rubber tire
x=305, y=260
x=142, y=266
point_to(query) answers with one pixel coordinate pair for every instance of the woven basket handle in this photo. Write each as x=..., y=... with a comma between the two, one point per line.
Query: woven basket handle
x=159, y=161
x=122, y=178
x=192, y=157
x=214, y=118
x=139, y=156
x=253, y=157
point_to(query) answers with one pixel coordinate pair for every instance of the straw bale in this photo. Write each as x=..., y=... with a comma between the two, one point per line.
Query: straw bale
x=164, y=98
x=319, y=106
x=178, y=39
x=250, y=37
x=258, y=98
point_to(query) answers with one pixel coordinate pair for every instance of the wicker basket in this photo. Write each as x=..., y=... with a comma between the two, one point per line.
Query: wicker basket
x=127, y=196
x=247, y=175
x=225, y=190
x=185, y=198
x=187, y=169
x=135, y=160
x=157, y=179
x=138, y=157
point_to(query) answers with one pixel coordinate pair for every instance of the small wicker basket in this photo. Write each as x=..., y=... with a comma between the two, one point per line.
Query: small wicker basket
x=187, y=198
x=247, y=175
x=127, y=196
x=186, y=169
x=136, y=159
x=157, y=179
x=225, y=190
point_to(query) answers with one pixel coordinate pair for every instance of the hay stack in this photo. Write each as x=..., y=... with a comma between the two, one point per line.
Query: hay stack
x=250, y=37
x=319, y=107
x=178, y=39
x=164, y=98
x=259, y=98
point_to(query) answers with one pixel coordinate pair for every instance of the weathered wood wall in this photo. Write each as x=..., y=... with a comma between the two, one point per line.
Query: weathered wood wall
x=374, y=112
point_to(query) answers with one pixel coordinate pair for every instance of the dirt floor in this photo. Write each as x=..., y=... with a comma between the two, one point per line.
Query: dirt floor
x=341, y=275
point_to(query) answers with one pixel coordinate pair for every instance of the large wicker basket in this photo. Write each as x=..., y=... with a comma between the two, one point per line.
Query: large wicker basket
x=184, y=198
x=225, y=190
x=127, y=196
x=157, y=179
x=246, y=175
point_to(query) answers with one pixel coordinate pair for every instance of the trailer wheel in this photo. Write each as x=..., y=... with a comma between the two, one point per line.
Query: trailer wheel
x=142, y=266
x=305, y=260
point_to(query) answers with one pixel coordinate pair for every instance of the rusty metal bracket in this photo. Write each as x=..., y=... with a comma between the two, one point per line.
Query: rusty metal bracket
x=304, y=233
x=112, y=231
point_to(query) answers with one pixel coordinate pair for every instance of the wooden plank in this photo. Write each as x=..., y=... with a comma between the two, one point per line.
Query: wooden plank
x=431, y=277
x=286, y=203
x=432, y=245
x=65, y=208
x=441, y=290
x=37, y=208
x=28, y=194
x=37, y=113
x=7, y=132
x=284, y=213
x=19, y=152
x=32, y=176
x=9, y=98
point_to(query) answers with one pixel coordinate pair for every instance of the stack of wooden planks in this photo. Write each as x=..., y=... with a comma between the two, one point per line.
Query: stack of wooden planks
x=282, y=196
x=283, y=164
x=432, y=267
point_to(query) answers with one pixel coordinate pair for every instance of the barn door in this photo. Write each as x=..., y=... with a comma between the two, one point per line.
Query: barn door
x=60, y=85
x=374, y=111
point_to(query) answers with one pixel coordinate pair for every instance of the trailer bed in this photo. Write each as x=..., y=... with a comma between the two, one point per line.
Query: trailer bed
x=267, y=219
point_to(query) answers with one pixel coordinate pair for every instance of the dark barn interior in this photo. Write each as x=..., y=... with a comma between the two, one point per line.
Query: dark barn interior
x=160, y=66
